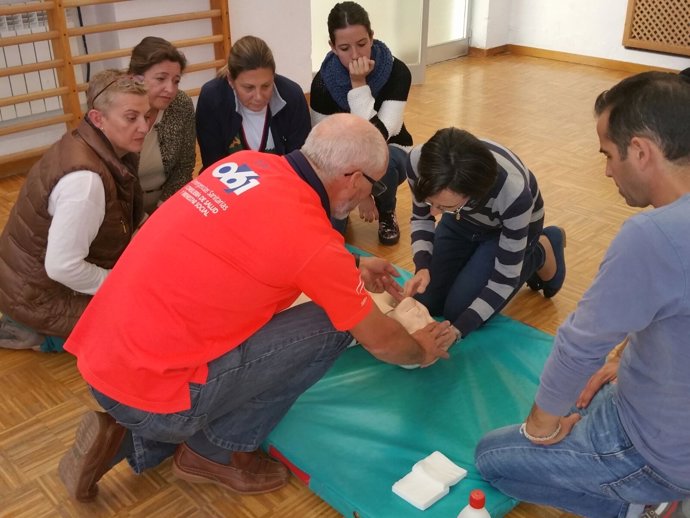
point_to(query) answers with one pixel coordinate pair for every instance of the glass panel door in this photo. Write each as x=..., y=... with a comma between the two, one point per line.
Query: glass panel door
x=448, y=30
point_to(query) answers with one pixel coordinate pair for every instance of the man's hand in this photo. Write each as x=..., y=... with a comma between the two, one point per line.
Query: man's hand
x=435, y=338
x=367, y=210
x=542, y=424
x=417, y=284
x=451, y=336
x=360, y=68
x=607, y=373
x=378, y=276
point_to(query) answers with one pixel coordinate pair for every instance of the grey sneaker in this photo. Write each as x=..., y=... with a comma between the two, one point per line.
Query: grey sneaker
x=13, y=335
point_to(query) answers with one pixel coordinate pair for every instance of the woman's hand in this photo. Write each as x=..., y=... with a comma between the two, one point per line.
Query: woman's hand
x=360, y=68
x=417, y=284
x=367, y=210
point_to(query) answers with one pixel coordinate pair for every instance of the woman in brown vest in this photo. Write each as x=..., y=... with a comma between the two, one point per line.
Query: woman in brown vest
x=74, y=216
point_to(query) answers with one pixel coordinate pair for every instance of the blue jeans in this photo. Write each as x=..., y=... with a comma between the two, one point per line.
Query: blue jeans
x=595, y=471
x=248, y=390
x=53, y=344
x=395, y=175
x=463, y=260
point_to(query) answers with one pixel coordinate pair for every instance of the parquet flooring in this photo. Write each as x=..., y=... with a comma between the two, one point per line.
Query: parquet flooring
x=540, y=109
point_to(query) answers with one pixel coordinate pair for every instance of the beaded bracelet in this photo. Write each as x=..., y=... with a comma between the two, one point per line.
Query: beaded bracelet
x=523, y=431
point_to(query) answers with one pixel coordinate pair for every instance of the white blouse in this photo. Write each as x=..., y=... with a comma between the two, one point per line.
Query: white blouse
x=77, y=205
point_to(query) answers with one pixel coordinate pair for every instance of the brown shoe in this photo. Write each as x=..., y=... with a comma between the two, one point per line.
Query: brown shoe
x=260, y=474
x=97, y=441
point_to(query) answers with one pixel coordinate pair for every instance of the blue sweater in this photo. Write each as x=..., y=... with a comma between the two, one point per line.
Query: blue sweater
x=385, y=111
x=218, y=122
x=642, y=290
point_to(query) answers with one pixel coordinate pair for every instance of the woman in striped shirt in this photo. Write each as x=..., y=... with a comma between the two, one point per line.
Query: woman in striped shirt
x=490, y=239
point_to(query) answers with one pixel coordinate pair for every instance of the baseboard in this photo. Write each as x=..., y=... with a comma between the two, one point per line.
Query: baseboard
x=554, y=55
x=484, y=53
x=579, y=59
x=20, y=163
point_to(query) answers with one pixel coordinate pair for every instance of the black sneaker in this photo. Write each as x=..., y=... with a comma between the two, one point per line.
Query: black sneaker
x=389, y=232
x=556, y=235
x=535, y=283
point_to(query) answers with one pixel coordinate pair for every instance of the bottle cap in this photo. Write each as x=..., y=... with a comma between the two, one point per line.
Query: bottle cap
x=477, y=499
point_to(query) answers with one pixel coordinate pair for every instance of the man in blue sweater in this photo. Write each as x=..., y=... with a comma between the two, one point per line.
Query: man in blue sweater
x=625, y=453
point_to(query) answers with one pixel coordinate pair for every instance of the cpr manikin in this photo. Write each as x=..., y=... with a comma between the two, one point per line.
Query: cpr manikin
x=409, y=312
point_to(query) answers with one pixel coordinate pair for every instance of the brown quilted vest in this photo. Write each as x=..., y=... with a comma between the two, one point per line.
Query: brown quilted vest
x=27, y=294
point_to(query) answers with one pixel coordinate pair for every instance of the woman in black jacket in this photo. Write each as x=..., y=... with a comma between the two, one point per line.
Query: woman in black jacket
x=249, y=106
x=360, y=75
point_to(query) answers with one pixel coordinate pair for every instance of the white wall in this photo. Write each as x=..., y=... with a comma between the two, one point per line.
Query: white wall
x=489, y=23
x=285, y=26
x=585, y=27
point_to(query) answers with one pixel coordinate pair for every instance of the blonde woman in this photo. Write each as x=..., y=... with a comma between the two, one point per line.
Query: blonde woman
x=74, y=216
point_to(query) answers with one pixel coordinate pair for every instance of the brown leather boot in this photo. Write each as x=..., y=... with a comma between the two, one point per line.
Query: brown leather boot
x=97, y=441
x=248, y=473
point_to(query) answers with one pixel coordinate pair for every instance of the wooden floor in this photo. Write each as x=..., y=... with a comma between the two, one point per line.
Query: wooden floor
x=540, y=109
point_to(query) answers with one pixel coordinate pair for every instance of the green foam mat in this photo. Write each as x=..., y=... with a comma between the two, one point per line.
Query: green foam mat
x=366, y=423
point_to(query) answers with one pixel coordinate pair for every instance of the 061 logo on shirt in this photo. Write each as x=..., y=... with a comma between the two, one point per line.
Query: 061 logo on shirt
x=236, y=178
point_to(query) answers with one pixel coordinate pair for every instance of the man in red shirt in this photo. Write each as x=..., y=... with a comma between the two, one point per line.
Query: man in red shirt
x=191, y=345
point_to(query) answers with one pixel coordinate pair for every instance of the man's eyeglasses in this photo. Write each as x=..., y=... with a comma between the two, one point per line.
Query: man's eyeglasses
x=377, y=186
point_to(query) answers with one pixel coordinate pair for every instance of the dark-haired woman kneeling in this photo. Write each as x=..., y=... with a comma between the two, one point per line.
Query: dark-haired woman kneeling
x=490, y=239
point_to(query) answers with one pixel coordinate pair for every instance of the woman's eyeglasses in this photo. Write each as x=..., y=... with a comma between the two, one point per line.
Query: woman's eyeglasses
x=446, y=209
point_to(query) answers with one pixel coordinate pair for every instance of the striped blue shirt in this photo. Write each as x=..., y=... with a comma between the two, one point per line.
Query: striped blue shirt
x=513, y=207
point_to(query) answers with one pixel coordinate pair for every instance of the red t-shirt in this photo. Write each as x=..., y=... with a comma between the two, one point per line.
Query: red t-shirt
x=208, y=269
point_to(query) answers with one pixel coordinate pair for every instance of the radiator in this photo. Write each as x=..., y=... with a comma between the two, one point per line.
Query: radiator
x=27, y=53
